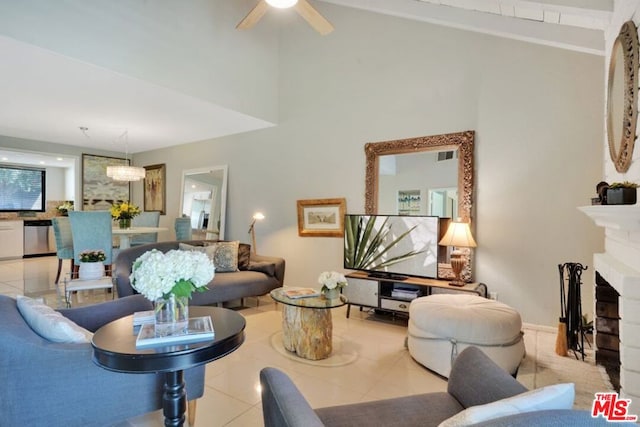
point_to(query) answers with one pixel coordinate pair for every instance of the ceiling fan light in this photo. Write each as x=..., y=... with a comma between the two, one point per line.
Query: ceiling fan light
x=282, y=4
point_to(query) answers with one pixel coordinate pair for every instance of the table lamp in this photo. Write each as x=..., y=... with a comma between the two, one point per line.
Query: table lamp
x=458, y=235
x=257, y=216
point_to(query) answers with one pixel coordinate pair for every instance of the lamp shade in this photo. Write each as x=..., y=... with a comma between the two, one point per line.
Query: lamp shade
x=125, y=173
x=458, y=234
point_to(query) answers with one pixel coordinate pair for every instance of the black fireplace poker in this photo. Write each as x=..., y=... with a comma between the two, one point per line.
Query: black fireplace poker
x=572, y=305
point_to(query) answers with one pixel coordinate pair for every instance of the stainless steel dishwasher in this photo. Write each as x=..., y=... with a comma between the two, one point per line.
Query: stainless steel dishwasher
x=38, y=238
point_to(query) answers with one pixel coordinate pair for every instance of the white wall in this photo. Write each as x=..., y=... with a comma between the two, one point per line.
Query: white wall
x=537, y=113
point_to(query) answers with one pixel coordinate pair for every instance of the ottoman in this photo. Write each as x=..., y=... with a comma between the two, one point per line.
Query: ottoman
x=441, y=326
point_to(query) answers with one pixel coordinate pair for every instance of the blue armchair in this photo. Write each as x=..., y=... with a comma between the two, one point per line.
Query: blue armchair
x=43, y=383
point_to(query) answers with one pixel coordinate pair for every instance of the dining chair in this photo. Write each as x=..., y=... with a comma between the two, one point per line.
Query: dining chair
x=183, y=228
x=145, y=219
x=91, y=230
x=64, y=242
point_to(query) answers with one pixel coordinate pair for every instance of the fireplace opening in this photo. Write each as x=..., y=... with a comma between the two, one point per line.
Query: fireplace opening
x=607, y=330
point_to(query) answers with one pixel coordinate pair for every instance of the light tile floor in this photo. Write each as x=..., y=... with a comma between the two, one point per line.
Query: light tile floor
x=382, y=368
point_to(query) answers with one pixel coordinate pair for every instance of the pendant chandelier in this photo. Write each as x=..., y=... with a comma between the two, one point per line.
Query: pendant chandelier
x=126, y=172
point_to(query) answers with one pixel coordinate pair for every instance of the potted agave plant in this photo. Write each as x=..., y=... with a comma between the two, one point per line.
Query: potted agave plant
x=622, y=193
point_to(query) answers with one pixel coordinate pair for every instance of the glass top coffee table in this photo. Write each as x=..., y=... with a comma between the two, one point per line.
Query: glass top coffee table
x=307, y=326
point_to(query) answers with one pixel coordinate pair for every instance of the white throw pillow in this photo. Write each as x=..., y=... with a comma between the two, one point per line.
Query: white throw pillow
x=50, y=324
x=558, y=396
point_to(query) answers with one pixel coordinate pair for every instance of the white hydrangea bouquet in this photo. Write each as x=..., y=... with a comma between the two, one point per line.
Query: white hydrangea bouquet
x=158, y=275
x=331, y=280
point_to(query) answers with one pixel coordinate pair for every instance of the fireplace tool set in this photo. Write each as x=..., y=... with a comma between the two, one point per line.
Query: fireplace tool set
x=571, y=334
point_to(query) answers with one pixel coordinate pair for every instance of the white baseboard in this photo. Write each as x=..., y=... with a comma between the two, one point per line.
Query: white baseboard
x=541, y=328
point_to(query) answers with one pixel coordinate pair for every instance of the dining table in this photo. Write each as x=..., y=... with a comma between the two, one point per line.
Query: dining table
x=125, y=234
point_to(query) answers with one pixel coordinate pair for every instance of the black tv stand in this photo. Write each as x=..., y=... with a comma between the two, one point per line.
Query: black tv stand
x=387, y=276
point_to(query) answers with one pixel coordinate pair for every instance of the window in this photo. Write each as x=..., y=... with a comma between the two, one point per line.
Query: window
x=22, y=189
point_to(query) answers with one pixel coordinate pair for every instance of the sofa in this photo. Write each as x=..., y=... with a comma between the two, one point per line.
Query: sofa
x=474, y=381
x=44, y=383
x=256, y=275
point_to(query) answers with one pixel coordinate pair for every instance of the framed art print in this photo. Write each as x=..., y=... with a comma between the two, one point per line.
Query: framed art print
x=321, y=217
x=99, y=191
x=155, y=188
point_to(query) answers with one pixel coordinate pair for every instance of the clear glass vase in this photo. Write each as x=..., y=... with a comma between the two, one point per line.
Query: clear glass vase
x=124, y=223
x=332, y=293
x=172, y=315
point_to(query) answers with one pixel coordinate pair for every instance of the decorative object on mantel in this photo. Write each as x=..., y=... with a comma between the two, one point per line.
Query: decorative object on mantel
x=622, y=193
x=458, y=235
x=601, y=190
x=123, y=213
x=332, y=282
x=64, y=208
x=91, y=264
x=168, y=279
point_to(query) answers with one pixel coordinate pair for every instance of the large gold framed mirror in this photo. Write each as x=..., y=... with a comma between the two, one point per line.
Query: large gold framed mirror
x=622, y=97
x=449, y=156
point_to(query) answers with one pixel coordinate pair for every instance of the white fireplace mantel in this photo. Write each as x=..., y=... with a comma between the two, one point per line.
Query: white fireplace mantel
x=617, y=217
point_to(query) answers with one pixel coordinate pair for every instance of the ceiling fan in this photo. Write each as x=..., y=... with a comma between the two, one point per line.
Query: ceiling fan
x=308, y=12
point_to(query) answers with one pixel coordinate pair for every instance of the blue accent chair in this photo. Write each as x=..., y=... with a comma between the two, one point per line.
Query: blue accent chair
x=44, y=383
x=145, y=219
x=91, y=230
x=183, y=228
x=64, y=242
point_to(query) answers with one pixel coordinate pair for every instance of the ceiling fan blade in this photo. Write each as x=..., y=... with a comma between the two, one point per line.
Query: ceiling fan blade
x=254, y=16
x=313, y=17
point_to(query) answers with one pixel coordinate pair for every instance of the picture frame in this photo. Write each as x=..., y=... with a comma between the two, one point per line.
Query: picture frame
x=321, y=217
x=99, y=192
x=155, y=188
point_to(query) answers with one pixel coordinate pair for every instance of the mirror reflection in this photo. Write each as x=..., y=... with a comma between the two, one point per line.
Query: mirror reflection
x=429, y=175
x=423, y=183
x=204, y=194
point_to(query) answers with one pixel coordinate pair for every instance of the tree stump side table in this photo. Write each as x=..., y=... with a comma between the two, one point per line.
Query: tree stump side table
x=307, y=326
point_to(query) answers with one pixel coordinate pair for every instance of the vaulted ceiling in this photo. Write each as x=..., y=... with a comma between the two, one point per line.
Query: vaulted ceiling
x=74, y=93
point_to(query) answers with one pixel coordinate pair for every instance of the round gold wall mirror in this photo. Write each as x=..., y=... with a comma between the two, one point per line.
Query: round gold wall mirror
x=622, y=97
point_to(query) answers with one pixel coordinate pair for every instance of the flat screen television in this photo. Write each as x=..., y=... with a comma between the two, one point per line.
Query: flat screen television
x=392, y=246
x=22, y=189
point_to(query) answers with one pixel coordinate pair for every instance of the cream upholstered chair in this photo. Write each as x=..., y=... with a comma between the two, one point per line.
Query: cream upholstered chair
x=183, y=228
x=64, y=242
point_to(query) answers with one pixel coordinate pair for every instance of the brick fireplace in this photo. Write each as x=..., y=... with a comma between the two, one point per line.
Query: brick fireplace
x=619, y=266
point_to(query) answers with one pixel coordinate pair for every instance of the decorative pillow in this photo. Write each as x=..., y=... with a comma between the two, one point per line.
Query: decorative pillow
x=244, y=256
x=186, y=247
x=50, y=324
x=267, y=268
x=558, y=396
x=225, y=257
